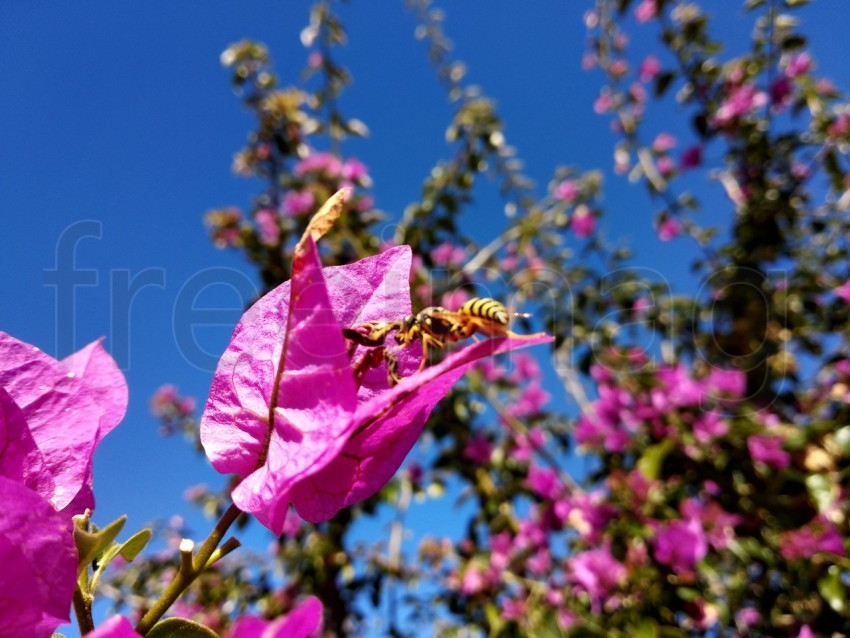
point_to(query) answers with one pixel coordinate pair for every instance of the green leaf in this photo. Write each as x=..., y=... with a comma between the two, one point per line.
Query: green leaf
x=130, y=548
x=647, y=628
x=687, y=594
x=91, y=544
x=180, y=628
x=842, y=439
x=586, y=630
x=832, y=591
x=548, y=627
x=820, y=489
x=653, y=457
x=494, y=617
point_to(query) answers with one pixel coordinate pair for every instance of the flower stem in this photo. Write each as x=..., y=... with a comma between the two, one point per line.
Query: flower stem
x=82, y=610
x=190, y=569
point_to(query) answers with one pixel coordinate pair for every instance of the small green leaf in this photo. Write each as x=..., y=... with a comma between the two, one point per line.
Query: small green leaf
x=647, y=628
x=586, y=630
x=831, y=589
x=91, y=544
x=494, y=617
x=130, y=548
x=180, y=628
x=653, y=457
x=842, y=439
x=547, y=627
x=820, y=489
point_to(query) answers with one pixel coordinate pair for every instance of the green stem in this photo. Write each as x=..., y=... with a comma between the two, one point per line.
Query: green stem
x=82, y=609
x=190, y=570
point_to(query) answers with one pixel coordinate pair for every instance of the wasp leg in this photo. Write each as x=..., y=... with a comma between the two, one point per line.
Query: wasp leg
x=428, y=342
x=371, y=359
x=393, y=376
x=370, y=333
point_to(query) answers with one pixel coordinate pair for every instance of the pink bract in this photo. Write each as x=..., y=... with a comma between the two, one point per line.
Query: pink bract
x=39, y=564
x=284, y=412
x=68, y=407
x=385, y=429
x=115, y=627
x=302, y=622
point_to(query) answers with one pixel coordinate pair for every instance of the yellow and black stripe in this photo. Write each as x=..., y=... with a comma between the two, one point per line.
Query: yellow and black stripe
x=485, y=308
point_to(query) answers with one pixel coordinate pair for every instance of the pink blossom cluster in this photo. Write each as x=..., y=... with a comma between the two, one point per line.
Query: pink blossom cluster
x=740, y=99
x=225, y=227
x=174, y=411
x=592, y=550
x=573, y=192
x=321, y=173
x=675, y=407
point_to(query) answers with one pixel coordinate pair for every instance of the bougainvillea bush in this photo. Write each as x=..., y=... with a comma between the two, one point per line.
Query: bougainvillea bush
x=696, y=485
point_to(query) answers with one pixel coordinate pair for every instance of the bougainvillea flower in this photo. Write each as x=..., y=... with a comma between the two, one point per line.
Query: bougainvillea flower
x=39, y=561
x=597, y=572
x=304, y=621
x=285, y=412
x=20, y=459
x=385, y=429
x=68, y=407
x=767, y=449
x=680, y=544
x=115, y=627
x=820, y=535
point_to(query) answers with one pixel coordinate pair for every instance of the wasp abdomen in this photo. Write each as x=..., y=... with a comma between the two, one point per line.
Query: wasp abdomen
x=485, y=308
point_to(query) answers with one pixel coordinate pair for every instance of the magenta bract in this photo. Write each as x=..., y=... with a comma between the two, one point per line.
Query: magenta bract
x=302, y=622
x=284, y=411
x=283, y=395
x=39, y=561
x=385, y=429
x=68, y=407
x=115, y=627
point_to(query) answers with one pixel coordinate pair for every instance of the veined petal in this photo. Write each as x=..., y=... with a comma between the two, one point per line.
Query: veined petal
x=20, y=458
x=299, y=364
x=39, y=562
x=61, y=412
x=374, y=289
x=386, y=428
x=115, y=627
x=98, y=370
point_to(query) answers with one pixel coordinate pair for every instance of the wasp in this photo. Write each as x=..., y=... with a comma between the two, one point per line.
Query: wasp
x=435, y=327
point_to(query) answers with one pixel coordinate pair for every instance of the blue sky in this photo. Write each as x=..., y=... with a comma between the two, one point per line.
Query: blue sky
x=118, y=124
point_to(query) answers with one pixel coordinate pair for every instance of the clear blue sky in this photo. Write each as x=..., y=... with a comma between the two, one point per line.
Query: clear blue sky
x=120, y=113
